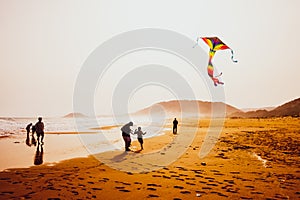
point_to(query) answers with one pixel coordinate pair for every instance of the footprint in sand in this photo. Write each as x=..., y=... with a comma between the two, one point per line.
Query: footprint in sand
x=212, y=184
x=200, y=192
x=185, y=192
x=75, y=192
x=124, y=183
x=197, y=171
x=231, y=190
x=167, y=177
x=124, y=190
x=247, y=198
x=221, y=194
x=7, y=192
x=229, y=181
x=4, y=179
x=103, y=180
x=256, y=192
x=178, y=187
x=190, y=178
x=154, y=175
x=219, y=174
x=234, y=172
x=152, y=196
x=188, y=183
x=153, y=185
x=182, y=174
x=96, y=188
x=119, y=187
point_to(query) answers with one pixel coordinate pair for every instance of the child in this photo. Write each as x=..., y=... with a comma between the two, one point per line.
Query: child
x=140, y=136
x=28, y=128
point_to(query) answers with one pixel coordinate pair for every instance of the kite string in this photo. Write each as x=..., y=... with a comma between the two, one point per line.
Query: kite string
x=197, y=40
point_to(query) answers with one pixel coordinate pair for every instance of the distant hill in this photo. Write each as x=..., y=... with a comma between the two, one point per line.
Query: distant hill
x=189, y=107
x=291, y=108
x=75, y=115
x=255, y=109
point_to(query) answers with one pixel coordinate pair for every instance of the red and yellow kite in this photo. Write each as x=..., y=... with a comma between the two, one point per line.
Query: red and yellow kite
x=215, y=44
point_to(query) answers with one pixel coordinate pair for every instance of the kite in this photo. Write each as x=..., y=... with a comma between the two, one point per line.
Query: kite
x=214, y=44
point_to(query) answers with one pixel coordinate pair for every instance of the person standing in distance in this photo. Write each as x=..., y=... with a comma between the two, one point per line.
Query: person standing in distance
x=175, y=123
x=39, y=126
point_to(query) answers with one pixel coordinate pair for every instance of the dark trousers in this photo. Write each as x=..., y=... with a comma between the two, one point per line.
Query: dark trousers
x=174, y=129
x=127, y=141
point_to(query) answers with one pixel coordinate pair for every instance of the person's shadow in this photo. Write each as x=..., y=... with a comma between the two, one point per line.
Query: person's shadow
x=38, y=158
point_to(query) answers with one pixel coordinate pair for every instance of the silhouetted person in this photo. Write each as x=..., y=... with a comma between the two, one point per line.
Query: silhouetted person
x=38, y=158
x=33, y=140
x=39, y=130
x=28, y=128
x=175, y=123
x=126, y=135
x=33, y=129
x=140, y=134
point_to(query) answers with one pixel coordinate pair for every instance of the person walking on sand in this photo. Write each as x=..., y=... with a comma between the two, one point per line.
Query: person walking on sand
x=39, y=126
x=28, y=128
x=175, y=123
x=140, y=134
x=33, y=129
x=126, y=135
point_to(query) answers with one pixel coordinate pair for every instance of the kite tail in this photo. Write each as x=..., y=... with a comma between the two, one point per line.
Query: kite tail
x=219, y=75
x=210, y=71
x=232, y=58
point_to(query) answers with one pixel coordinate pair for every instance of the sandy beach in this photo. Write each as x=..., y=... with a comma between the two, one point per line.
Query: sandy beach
x=253, y=159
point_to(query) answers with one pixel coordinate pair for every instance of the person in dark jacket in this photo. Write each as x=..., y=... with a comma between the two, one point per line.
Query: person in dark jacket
x=126, y=135
x=175, y=123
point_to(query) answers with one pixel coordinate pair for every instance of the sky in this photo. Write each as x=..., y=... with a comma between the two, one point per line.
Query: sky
x=45, y=43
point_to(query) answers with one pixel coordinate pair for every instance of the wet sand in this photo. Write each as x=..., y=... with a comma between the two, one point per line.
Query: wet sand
x=253, y=159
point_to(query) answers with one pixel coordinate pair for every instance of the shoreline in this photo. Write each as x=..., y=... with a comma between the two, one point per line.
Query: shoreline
x=17, y=143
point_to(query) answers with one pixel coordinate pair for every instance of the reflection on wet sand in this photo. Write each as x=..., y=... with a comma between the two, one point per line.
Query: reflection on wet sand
x=38, y=158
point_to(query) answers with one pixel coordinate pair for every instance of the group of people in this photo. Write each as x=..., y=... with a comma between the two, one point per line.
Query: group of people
x=38, y=128
x=126, y=131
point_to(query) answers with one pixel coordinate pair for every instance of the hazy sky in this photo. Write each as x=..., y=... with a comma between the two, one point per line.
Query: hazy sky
x=45, y=43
